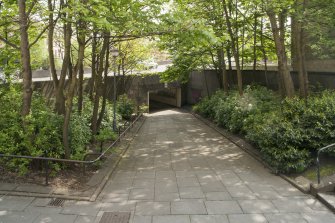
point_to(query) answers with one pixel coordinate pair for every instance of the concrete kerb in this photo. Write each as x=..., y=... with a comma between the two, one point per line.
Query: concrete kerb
x=324, y=200
x=252, y=154
x=95, y=194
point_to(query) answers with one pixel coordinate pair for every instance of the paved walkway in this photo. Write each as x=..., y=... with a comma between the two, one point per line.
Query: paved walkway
x=178, y=170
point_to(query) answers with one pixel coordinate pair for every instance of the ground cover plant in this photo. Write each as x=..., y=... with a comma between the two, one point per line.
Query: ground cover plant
x=287, y=132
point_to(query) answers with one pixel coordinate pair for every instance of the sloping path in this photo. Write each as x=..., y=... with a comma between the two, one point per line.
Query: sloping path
x=178, y=170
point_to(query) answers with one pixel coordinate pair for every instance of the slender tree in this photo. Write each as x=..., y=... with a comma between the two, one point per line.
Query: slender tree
x=25, y=58
x=278, y=18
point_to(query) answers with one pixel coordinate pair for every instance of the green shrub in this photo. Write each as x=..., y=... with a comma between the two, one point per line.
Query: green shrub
x=315, y=119
x=80, y=135
x=125, y=107
x=143, y=108
x=41, y=131
x=280, y=144
x=287, y=132
x=206, y=107
x=105, y=135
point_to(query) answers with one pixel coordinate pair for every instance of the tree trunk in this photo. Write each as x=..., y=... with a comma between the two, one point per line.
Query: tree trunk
x=223, y=70
x=25, y=59
x=104, y=90
x=234, y=48
x=255, y=43
x=51, y=45
x=94, y=65
x=81, y=54
x=98, y=93
x=217, y=67
x=68, y=112
x=230, y=66
x=60, y=98
x=278, y=31
x=265, y=58
x=298, y=48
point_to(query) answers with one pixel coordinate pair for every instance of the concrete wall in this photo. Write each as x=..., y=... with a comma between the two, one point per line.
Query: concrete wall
x=202, y=84
x=136, y=87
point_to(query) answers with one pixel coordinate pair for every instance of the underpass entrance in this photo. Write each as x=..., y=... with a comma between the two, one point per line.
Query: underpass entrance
x=165, y=98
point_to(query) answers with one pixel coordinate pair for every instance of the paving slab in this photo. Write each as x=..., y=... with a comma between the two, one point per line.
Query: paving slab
x=218, y=196
x=152, y=208
x=85, y=219
x=81, y=208
x=171, y=218
x=12, y=203
x=223, y=207
x=141, y=219
x=114, y=198
x=257, y=206
x=319, y=217
x=241, y=192
x=188, y=207
x=142, y=194
x=15, y=217
x=161, y=196
x=43, y=210
x=40, y=202
x=209, y=219
x=188, y=182
x=247, y=218
x=285, y=218
x=212, y=186
x=191, y=193
x=55, y=218
x=7, y=186
x=293, y=205
x=127, y=206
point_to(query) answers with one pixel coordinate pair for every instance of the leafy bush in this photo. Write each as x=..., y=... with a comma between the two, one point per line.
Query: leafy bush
x=143, y=108
x=41, y=131
x=287, y=132
x=206, y=107
x=80, y=135
x=125, y=107
x=106, y=134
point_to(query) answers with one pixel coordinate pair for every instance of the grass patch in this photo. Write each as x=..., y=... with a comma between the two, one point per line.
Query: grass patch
x=325, y=170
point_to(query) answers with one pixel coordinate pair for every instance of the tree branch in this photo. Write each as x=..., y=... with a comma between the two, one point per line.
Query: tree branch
x=9, y=43
x=39, y=36
x=31, y=7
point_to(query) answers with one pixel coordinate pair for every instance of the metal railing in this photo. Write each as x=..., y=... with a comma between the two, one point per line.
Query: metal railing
x=318, y=160
x=84, y=162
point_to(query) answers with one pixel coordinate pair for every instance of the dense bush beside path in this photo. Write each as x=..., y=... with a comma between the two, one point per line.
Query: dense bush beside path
x=287, y=132
x=41, y=131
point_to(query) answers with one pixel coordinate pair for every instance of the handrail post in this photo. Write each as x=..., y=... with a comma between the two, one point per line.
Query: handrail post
x=318, y=167
x=318, y=160
x=46, y=167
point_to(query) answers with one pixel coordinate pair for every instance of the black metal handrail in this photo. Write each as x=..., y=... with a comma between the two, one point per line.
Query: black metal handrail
x=318, y=160
x=84, y=162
